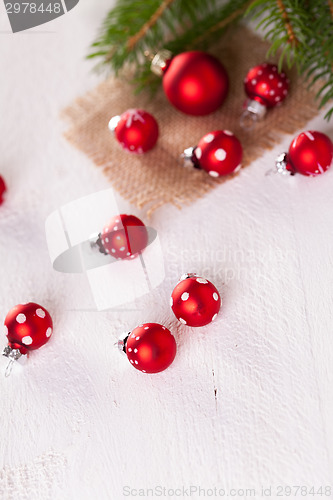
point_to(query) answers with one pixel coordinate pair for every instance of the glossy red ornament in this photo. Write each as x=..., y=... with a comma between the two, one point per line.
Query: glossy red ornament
x=3, y=190
x=150, y=347
x=195, y=301
x=219, y=153
x=310, y=153
x=136, y=130
x=124, y=236
x=265, y=88
x=28, y=327
x=195, y=82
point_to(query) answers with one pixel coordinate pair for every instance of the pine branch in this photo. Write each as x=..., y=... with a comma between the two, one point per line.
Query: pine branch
x=300, y=30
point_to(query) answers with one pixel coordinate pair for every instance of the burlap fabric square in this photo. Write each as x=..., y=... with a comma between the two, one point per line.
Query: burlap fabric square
x=158, y=177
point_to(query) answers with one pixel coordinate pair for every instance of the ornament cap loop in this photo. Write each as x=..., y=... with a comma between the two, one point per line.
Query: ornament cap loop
x=160, y=61
x=113, y=123
x=13, y=355
x=281, y=163
x=122, y=341
x=253, y=112
x=185, y=276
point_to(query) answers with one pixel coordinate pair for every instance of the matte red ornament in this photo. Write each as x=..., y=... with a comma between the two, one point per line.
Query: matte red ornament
x=28, y=327
x=195, y=82
x=124, y=237
x=195, y=301
x=150, y=348
x=136, y=130
x=310, y=153
x=265, y=88
x=3, y=190
x=219, y=153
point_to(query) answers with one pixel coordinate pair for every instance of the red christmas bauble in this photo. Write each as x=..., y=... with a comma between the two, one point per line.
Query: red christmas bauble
x=310, y=153
x=136, y=130
x=124, y=236
x=151, y=348
x=195, y=301
x=219, y=153
x=266, y=85
x=3, y=190
x=28, y=326
x=196, y=83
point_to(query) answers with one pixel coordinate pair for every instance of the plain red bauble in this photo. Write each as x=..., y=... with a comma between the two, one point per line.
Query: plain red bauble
x=3, y=190
x=196, y=83
x=151, y=348
x=219, y=153
x=29, y=326
x=310, y=153
x=195, y=301
x=137, y=131
x=266, y=85
x=124, y=236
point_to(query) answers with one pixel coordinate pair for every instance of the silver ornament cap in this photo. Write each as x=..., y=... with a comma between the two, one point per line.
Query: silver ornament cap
x=159, y=61
x=122, y=341
x=281, y=164
x=113, y=123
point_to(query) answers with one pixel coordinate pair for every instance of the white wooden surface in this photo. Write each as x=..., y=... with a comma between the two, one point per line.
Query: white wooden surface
x=248, y=401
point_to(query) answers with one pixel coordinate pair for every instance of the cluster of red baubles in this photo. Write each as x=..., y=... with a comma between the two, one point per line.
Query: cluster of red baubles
x=151, y=347
x=196, y=83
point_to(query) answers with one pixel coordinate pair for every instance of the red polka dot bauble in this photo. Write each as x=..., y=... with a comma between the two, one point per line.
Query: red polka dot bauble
x=196, y=83
x=3, y=190
x=124, y=237
x=195, y=301
x=28, y=327
x=219, y=153
x=150, y=348
x=310, y=153
x=265, y=88
x=136, y=130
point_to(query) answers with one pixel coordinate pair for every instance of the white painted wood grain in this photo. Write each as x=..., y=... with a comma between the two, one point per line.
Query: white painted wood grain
x=248, y=401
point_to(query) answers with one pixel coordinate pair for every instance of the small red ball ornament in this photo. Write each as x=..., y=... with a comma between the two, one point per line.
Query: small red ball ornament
x=219, y=153
x=124, y=237
x=28, y=327
x=150, y=348
x=136, y=130
x=310, y=153
x=195, y=301
x=265, y=88
x=3, y=190
x=195, y=82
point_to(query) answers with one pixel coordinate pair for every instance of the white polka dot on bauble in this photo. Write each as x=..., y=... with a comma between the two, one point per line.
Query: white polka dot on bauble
x=280, y=84
x=137, y=338
x=198, y=153
x=260, y=72
x=182, y=321
x=144, y=371
x=202, y=281
x=185, y=296
x=49, y=332
x=106, y=240
x=271, y=76
x=136, y=362
x=254, y=81
x=131, y=360
x=40, y=313
x=285, y=92
x=27, y=340
x=227, y=132
x=132, y=147
x=21, y=318
x=208, y=138
x=118, y=237
x=146, y=328
x=215, y=296
x=220, y=154
x=115, y=228
x=128, y=254
x=213, y=173
x=271, y=92
x=135, y=350
x=129, y=349
x=278, y=98
x=122, y=249
x=113, y=250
